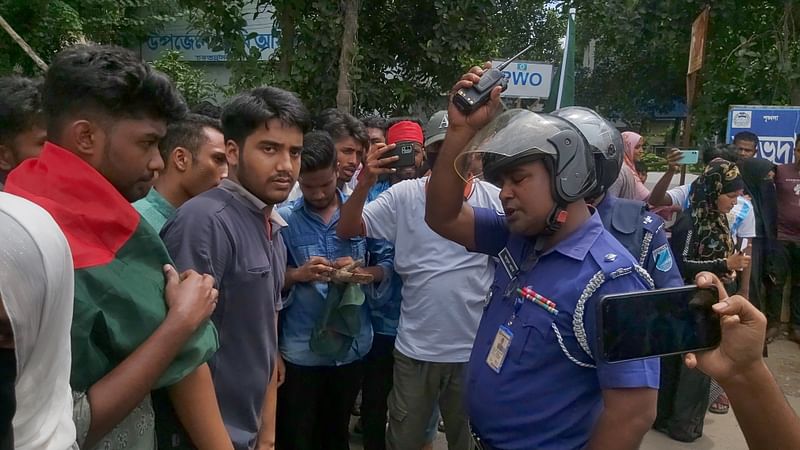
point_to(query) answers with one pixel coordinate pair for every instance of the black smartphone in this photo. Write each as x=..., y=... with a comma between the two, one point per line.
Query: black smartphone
x=405, y=150
x=662, y=322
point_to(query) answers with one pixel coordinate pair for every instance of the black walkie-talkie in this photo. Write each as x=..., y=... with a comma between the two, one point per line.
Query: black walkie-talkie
x=470, y=99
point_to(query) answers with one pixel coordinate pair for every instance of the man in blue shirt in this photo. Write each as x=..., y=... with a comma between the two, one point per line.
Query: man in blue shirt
x=534, y=378
x=384, y=303
x=321, y=386
x=629, y=221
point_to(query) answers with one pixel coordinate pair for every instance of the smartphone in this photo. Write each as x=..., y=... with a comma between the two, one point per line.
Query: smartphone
x=741, y=245
x=655, y=323
x=689, y=157
x=405, y=150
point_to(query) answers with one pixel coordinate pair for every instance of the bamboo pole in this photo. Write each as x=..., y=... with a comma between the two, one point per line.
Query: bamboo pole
x=21, y=42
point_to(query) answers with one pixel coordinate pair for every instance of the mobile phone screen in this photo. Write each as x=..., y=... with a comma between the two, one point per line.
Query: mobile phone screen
x=657, y=323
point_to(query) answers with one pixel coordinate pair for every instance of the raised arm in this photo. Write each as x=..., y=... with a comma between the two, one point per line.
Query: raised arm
x=659, y=196
x=446, y=212
x=350, y=223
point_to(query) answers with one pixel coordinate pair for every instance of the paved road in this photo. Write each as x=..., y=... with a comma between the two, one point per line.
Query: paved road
x=721, y=431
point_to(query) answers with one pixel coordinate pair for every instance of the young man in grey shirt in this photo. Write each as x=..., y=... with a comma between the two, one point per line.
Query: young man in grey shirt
x=232, y=232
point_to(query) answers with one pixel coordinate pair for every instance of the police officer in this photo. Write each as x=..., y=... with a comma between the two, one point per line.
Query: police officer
x=534, y=378
x=636, y=228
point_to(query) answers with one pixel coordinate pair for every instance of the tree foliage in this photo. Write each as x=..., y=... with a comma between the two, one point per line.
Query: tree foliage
x=407, y=53
x=50, y=25
x=191, y=81
x=642, y=49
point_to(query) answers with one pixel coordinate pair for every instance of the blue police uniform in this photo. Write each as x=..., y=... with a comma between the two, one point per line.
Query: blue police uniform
x=642, y=234
x=546, y=394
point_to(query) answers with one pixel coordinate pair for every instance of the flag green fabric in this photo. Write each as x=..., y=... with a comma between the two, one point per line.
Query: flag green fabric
x=562, y=91
x=118, y=259
x=340, y=322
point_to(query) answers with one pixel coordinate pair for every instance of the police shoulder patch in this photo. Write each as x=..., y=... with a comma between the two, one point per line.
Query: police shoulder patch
x=663, y=258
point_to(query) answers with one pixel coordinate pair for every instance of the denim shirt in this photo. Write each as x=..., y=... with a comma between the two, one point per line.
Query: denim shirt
x=384, y=297
x=306, y=236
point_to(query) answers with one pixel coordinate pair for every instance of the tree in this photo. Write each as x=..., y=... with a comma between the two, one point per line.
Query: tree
x=190, y=81
x=407, y=56
x=642, y=46
x=50, y=25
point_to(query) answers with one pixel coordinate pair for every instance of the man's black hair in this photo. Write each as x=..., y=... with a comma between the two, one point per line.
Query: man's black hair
x=188, y=133
x=252, y=109
x=106, y=81
x=342, y=125
x=728, y=152
x=395, y=120
x=206, y=108
x=318, y=152
x=377, y=122
x=746, y=136
x=20, y=107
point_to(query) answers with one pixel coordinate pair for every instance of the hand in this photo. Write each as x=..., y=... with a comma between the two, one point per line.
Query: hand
x=316, y=268
x=281, y=369
x=743, y=333
x=673, y=157
x=480, y=117
x=347, y=263
x=190, y=297
x=375, y=164
x=738, y=261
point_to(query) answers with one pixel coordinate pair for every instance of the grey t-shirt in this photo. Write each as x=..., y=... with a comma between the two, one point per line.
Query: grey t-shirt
x=225, y=232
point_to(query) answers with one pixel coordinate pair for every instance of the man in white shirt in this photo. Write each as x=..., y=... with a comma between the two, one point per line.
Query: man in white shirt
x=444, y=292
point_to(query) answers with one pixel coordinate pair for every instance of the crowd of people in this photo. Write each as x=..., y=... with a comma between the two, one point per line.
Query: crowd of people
x=232, y=278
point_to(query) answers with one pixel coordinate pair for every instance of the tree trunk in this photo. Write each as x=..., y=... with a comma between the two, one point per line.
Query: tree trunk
x=288, y=23
x=344, y=95
x=791, y=38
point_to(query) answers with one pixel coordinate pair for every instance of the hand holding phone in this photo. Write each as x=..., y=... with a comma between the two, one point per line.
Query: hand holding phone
x=663, y=322
x=404, y=150
x=743, y=330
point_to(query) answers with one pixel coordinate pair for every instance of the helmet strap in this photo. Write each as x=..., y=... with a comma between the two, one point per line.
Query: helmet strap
x=558, y=215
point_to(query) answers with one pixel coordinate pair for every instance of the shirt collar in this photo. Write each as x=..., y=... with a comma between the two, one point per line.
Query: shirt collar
x=578, y=243
x=160, y=203
x=236, y=188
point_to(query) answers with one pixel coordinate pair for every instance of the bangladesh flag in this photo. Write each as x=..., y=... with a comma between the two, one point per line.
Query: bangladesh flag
x=562, y=91
x=118, y=258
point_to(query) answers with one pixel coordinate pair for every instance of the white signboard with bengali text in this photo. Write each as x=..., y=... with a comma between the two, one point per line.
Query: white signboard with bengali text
x=181, y=37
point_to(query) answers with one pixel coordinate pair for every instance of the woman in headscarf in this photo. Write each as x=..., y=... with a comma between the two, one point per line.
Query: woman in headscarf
x=701, y=241
x=36, y=289
x=758, y=175
x=628, y=184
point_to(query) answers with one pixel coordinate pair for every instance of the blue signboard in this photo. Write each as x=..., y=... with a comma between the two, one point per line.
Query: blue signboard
x=777, y=127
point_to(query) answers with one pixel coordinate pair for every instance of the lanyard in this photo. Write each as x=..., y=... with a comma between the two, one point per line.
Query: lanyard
x=517, y=306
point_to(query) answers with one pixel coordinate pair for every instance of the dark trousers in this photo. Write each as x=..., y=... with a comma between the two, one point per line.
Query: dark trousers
x=784, y=263
x=378, y=366
x=682, y=400
x=314, y=407
x=757, y=255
